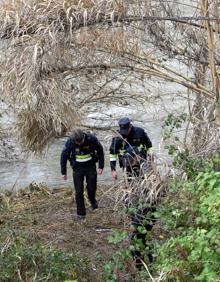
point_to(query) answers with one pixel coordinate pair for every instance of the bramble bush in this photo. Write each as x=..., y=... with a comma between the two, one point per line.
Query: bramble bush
x=189, y=245
x=191, y=217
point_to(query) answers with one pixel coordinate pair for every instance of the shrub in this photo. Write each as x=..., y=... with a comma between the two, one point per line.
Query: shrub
x=22, y=260
x=191, y=217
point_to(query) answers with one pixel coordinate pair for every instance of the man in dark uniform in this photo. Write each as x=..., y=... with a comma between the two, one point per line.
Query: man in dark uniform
x=83, y=150
x=130, y=145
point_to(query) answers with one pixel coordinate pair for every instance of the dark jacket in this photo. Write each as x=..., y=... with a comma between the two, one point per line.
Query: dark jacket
x=137, y=140
x=82, y=155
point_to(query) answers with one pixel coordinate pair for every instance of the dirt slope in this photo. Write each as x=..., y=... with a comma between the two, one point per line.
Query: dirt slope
x=49, y=217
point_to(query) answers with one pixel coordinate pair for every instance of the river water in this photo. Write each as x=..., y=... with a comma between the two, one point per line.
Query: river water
x=46, y=169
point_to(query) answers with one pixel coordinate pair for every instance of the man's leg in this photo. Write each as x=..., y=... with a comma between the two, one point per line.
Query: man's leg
x=91, y=179
x=78, y=178
x=137, y=219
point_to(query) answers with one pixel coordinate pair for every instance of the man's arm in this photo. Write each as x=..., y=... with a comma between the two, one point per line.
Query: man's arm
x=147, y=141
x=65, y=155
x=100, y=153
x=116, y=145
x=113, y=152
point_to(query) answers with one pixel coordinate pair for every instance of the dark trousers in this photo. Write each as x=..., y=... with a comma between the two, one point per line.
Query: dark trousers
x=89, y=173
x=137, y=219
x=131, y=175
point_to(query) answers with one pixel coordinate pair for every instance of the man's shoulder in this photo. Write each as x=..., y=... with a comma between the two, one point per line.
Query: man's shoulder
x=116, y=135
x=91, y=137
x=68, y=144
x=138, y=129
x=70, y=141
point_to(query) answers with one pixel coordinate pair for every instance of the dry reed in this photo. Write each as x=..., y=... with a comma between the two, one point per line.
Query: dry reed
x=54, y=48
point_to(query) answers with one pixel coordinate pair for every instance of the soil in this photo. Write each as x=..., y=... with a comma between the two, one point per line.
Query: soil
x=50, y=217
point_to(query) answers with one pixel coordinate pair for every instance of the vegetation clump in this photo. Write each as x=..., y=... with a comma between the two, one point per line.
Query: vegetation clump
x=23, y=260
x=184, y=243
x=191, y=220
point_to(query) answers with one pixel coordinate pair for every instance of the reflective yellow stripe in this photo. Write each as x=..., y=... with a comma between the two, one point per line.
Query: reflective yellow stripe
x=140, y=148
x=113, y=157
x=83, y=158
x=122, y=152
